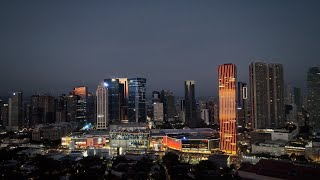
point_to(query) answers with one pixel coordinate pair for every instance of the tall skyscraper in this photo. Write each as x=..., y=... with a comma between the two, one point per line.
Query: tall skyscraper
x=190, y=104
x=267, y=95
x=102, y=106
x=167, y=99
x=204, y=113
x=216, y=119
x=92, y=108
x=182, y=111
x=42, y=109
x=15, y=111
x=137, y=111
x=124, y=95
x=82, y=110
x=297, y=97
x=158, y=112
x=5, y=115
x=259, y=95
x=26, y=114
x=61, y=108
x=276, y=91
x=313, y=106
x=210, y=107
x=1, y=105
x=242, y=96
x=227, y=111
x=114, y=101
x=72, y=102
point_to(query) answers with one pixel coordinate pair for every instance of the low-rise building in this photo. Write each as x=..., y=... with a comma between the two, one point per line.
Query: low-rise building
x=52, y=131
x=275, y=148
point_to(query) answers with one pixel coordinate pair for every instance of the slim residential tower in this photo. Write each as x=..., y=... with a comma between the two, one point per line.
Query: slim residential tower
x=267, y=95
x=313, y=106
x=190, y=104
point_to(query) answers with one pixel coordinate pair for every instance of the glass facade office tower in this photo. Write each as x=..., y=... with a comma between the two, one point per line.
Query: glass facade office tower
x=118, y=95
x=113, y=86
x=168, y=101
x=123, y=92
x=313, y=106
x=227, y=111
x=102, y=106
x=137, y=111
x=92, y=108
x=82, y=96
x=190, y=104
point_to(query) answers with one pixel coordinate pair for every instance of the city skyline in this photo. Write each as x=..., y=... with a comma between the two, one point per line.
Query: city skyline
x=116, y=39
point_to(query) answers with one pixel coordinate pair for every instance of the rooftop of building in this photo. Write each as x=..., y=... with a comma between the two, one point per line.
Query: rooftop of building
x=183, y=131
x=129, y=131
x=289, y=128
x=277, y=143
x=192, y=137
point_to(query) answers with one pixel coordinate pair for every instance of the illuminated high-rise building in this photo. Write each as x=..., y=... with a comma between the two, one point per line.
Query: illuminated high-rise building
x=5, y=114
x=118, y=94
x=72, y=102
x=137, y=109
x=82, y=110
x=123, y=95
x=15, y=111
x=92, y=108
x=42, y=109
x=227, y=110
x=61, y=108
x=276, y=91
x=102, y=106
x=267, y=95
x=158, y=112
x=313, y=106
x=113, y=86
x=242, y=96
x=167, y=99
x=190, y=104
x=125, y=90
x=259, y=95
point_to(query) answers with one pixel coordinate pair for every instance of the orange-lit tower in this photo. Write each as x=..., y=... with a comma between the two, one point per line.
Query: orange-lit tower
x=227, y=108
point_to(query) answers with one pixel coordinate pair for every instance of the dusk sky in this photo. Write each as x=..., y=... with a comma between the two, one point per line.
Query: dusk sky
x=52, y=46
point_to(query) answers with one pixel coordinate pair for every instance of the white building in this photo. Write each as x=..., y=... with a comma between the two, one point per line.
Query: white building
x=158, y=111
x=102, y=106
x=205, y=115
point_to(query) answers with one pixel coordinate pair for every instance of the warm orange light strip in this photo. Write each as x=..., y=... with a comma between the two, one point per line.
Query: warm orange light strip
x=227, y=108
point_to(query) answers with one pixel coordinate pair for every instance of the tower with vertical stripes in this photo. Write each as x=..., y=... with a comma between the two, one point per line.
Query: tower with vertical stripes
x=227, y=108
